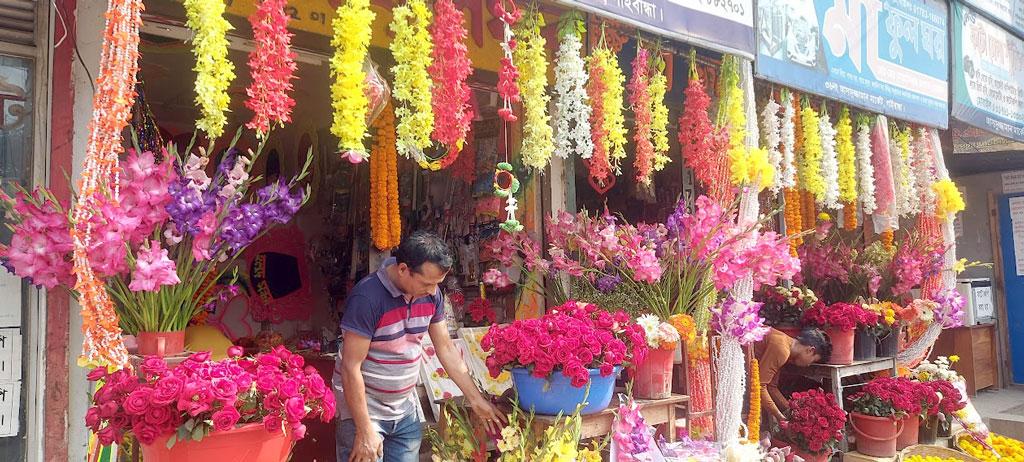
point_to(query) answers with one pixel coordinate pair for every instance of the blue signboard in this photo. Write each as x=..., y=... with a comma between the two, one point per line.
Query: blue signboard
x=723, y=25
x=886, y=56
x=988, y=65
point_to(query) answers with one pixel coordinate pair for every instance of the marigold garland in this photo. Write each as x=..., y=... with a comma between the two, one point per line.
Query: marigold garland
x=754, y=415
x=214, y=71
x=412, y=51
x=384, y=218
x=453, y=113
x=115, y=91
x=530, y=56
x=810, y=163
x=351, y=40
x=810, y=210
x=865, y=168
x=572, y=104
x=829, y=162
x=887, y=237
x=793, y=217
x=659, y=112
x=948, y=200
x=272, y=65
x=772, y=133
x=788, y=134
x=640, y=103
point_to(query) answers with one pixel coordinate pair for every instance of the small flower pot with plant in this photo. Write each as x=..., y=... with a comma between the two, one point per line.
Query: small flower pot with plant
x=783, y=307
x=816, y=424
x=877, y=414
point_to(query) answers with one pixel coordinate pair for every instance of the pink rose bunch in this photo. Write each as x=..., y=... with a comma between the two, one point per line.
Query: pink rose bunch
x=276, y=389
x=571, y=338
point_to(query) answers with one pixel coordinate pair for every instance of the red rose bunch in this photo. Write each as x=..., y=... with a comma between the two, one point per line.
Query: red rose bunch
x=571, y=338
x=200, y=396
x=816, y=422
x=839, y=316
x=949, y=398
x=893, y=397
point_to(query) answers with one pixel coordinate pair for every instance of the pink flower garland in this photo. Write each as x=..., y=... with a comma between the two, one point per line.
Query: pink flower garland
x=885, y=187
x=703, y=146
x=508, y=89
x=640, y=102
x=453, y=113
x=272, y=64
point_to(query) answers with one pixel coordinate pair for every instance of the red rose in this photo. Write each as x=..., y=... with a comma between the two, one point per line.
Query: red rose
x=295, y=407
x=108, y=435
x=97, y=374
x=160, y=417
x=273, y=424
x=146, y=434
x=225, y=419
x=166, y=390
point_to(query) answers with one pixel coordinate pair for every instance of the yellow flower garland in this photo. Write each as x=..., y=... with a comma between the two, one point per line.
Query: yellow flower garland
x=754, y=417
x=810, y=164
x=614, y=118
x=412, y=49
x=530, y=57
x=214, y=71
x=351, y=40
x=747, y=166
x=847, y=157
x=948, y=200
x=657, y=88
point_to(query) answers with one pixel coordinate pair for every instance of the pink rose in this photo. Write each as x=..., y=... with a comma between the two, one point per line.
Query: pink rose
x=195, y=399
x=92, y=418
x=160, y=417
x=167, y=390
x=299, y=431
x=225, y=419
x=266, y=382
x=296, y=361
x=268, y=360
x=316, y=385
x=146, y=433
x=290, y=387
x=273, y=424
x=225, y=390
x=108, y=409
x=97, y=374
x=328, y=407
x=295, y=407
x=108, y=435
x=153, y=365
x=138, y=401
x=607, y=369
x=281, y=352
x=201, y=357
x=235, y=351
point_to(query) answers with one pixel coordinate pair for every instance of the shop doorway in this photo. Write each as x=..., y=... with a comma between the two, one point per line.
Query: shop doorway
x=1011, y=246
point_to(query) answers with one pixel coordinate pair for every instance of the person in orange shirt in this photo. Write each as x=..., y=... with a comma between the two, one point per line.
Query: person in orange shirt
x=778, y=349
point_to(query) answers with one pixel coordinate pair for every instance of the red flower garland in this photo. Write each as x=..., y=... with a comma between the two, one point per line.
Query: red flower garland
x=272, y=65
x=599, y=165
x=640, y=102
x=453, y=113
x=703, y=147
x=509, y=74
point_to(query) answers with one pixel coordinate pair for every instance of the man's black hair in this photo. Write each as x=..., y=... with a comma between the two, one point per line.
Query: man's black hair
x=817, y=339
x=424, y=247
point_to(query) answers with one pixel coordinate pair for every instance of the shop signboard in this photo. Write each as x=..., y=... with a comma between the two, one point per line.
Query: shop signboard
x=988, y=69
x=723, y=25
x=886, y=56
x=1008, y=13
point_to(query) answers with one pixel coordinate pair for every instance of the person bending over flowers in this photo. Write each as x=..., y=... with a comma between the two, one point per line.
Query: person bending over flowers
x=385, y=318
x=778, y=349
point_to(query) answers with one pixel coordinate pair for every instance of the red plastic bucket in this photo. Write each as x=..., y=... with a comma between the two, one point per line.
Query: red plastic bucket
x=911, y=431
x=842, y=346
x=248, y=443
x=876, y=436
x=652, y=379
x=161, y=343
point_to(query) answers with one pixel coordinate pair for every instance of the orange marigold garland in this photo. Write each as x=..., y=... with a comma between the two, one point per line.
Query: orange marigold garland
x=887, y=239
x=394, y=213
x=850, y=216
x=793, y=217
x=810, y=210
x=385, y=222
x=754, y=417
x=115, y=91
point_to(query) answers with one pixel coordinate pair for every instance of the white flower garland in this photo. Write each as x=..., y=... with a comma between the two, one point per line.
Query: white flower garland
x=772, y=138
x=924, y=171
x=865, y=167
x=731, y=383
x=572, y=105
x=788, y=133
x=829, y=162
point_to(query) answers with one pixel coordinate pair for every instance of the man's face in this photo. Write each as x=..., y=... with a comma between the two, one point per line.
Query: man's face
x=422, y=281
x=802, y=355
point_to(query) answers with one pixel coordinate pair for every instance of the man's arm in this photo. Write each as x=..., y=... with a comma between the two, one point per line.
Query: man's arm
x=368, y=444
x=453, y=363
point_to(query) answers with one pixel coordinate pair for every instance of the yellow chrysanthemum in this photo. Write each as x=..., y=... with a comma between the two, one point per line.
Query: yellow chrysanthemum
x=751, y=167
x=810, y=165
x=847, y=158
x=531, y=59
x=351, y=39
x=948, y=200
x=412, y=49
x=954, y=358
x=214, y=71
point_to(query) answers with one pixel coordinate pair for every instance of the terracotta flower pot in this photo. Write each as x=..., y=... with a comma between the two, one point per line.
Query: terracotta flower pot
x=842, y=346
x=652, y=379
x=876, y=436
x=911, y=425
x=161, y=343
x=864, y=345
x=248, y=443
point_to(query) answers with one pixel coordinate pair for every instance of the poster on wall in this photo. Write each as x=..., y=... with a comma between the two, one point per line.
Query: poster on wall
x=1008, y=13
x=718, y=25
x=886, y=56
x=988, y=65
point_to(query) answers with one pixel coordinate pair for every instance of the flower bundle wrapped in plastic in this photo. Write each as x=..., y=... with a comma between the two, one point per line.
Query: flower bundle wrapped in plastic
x=200, y=396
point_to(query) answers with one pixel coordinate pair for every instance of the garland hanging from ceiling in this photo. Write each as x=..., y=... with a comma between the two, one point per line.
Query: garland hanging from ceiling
x=412, y=50
x=351, y=41
x=214, y=71
x=272, y=66
x=572, y=104
x=453, y=112
x=531, y=58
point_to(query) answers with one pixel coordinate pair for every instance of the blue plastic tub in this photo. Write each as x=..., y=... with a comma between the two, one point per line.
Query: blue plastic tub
x=557, y=395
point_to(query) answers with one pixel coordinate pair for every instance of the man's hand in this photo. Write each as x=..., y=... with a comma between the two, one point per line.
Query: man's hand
x=492, y=418
x=368, y=447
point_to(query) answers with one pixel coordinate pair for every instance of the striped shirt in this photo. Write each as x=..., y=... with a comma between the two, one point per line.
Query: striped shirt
x=377, y=310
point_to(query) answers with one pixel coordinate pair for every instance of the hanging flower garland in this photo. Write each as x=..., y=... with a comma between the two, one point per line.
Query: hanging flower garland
x=272, y=65
x=385, y=219
x=865, y=168
x=829, y=162
x=899, y=147
x=115, y=84
x=658, y=87
x=885, y=186
x=787, y=179
x=794, y=218
x=530, y=56
x=508, y=89
x=412, y=50
x=640, y=104
x=847, y=158
x=453, y=113
x=923, y=166
x=351, y=40
x=811, y=162
x=948, y=200
x=214, y=71
x=572, y=104
x=614, y=117
x=599, y=163
x=754, y=415
x=772, y=132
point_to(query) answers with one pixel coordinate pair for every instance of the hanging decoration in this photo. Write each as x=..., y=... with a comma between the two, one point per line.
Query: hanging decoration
x=144, y=124
x=885, y=213
x=508, y=89
x=747, y=166
x=453, y=111
x=787, y=179
x=640, y=104
x=599, y=163
x=214, y=71
x=614, y=117
x=829, y=162
x=865, y=168
x=701, y=143
x=754, y=414
x=272, y=66
x=948, y=200
x=506, y=186
x=412, y=50
x=810, y=170
x=846, y=157
x=530, y=56
x=899, y=147
x=111, y=110
x=923, y=167
x=385, y=217
x=794, y=219
x=772, y=132
x=659, y=112
x=351, y=40
x=572, y=104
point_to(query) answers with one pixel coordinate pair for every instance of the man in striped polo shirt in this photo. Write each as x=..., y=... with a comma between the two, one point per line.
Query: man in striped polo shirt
x=385, y=318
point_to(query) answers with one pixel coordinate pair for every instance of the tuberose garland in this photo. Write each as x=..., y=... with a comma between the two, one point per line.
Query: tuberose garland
x=899, y=150
x=351, y=40
x=772, y=132
x=453, y=113
x=531, y=57
x=272, y=65
x=214, y=71
x=865, y=168
x=412, y=50
x=787, y=178
x=640, y=103
x=829, y=162
x=572, y=104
